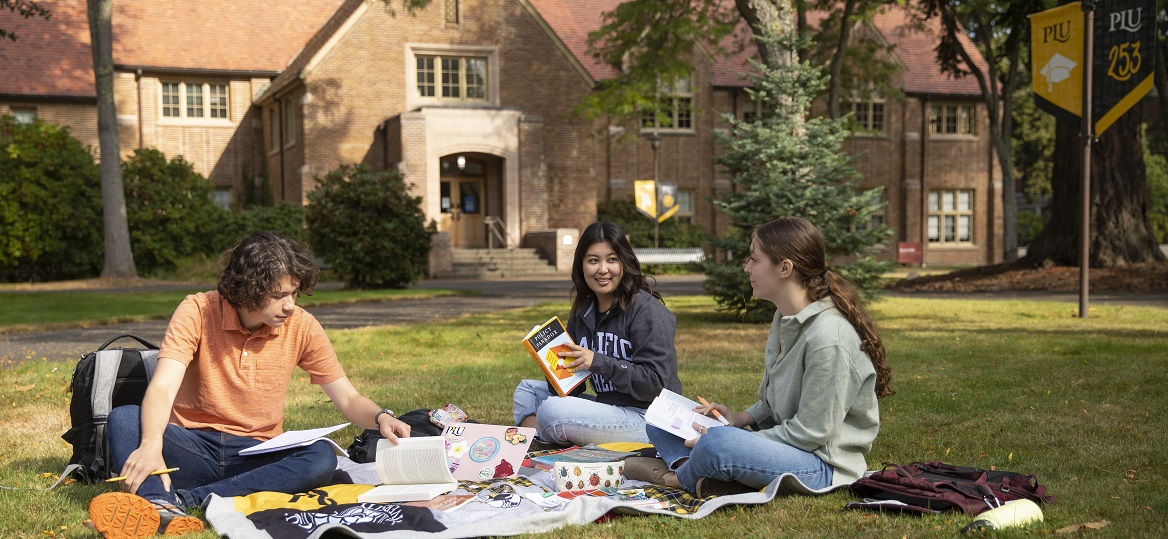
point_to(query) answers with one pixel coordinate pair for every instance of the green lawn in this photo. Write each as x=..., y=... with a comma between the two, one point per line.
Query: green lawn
x=72, y=308
x=1023, y=386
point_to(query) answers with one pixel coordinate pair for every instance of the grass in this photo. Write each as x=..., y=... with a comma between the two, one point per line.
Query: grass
x=25, y=310
x=1022, y=386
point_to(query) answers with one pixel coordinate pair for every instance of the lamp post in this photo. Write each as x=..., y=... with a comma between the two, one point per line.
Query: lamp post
x=655, y=142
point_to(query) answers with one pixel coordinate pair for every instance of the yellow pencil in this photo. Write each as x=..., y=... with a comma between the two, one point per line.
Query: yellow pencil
x=155, y=472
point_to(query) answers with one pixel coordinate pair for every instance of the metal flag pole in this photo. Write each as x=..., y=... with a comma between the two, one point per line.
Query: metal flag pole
x=1086, y=134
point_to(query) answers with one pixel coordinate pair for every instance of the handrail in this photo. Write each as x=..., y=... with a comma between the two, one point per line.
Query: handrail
x=497, y=229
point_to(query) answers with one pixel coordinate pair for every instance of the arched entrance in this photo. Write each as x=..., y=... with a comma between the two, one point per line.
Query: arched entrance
x=469, y=191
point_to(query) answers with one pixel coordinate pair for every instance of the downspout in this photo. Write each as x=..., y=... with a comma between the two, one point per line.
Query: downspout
x=990, y=248
x=902, y=226
x=138, y=82
x=924, y=191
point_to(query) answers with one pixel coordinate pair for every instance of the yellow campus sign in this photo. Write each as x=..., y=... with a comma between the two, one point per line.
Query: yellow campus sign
x=1056, y=58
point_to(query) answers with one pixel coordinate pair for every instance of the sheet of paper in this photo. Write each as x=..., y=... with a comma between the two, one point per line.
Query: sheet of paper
x=674, y=413
x=293, y=438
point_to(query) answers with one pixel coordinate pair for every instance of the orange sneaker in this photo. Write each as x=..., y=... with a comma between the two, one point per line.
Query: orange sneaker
x=120, y=515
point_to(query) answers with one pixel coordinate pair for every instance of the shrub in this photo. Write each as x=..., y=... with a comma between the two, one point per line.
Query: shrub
x=639, y=227
x=368, y=227
x=50, y=204
x=285, y=217
x=169, y=209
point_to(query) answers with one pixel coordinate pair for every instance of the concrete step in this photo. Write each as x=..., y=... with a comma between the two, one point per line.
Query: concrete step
x=498, y=264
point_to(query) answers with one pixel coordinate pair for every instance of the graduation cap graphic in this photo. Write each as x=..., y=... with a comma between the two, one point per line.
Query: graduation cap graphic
x=1057, y=69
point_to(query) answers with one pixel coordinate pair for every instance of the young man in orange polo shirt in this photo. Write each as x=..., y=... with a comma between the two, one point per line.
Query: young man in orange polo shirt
x=220, y=386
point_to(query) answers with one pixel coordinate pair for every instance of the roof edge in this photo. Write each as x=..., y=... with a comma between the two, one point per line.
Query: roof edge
x=559, y=44
x=198, y=71
x=328, y=46
x=50, y=98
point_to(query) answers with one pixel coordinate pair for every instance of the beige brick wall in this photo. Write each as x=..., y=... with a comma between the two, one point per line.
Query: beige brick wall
x=80, y=116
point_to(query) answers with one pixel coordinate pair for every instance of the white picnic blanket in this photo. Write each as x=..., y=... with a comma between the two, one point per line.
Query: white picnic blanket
x=501, y=507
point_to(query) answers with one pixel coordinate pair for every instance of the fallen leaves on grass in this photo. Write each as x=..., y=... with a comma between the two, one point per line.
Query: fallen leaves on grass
x=1089, y=525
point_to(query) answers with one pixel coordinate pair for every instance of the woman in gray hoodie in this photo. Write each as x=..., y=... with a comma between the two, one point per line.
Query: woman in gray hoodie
x=625, y=336
x=816, y=414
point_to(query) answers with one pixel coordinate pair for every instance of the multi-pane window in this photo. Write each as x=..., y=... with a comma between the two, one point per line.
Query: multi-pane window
x=674, y=108
x=951, y=217
x=193, y=100
x=458, y=78
x=749, y=109
x=452, y=11
x=685, y=209
x=869, y=116
x=875, y=220
x=951, y=120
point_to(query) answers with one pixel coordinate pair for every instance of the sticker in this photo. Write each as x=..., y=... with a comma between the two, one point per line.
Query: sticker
x=513, y=437
x=484, y=449
x=487, y=473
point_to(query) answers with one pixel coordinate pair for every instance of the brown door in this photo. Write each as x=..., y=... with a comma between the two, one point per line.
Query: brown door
x=462, y=211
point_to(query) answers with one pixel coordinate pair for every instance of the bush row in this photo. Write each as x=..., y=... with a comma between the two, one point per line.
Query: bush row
x=51, y=214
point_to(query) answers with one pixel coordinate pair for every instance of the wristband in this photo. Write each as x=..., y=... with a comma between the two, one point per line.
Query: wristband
x=376, y=418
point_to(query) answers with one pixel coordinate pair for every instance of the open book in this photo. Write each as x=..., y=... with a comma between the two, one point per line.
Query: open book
x=674, y=413
x=415, y=469
x=297, y=438
x=544, y=343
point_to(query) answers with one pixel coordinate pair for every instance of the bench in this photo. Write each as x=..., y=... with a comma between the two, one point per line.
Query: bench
x=688, y=255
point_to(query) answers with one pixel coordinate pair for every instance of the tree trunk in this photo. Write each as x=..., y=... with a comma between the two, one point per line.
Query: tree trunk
x=835, y=83
x=772, y=15
x=119, y=259
x=1120, y=233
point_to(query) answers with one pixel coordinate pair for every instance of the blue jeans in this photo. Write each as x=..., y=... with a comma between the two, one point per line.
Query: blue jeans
x=576, y=420
x=209, y=462
x=734, y=454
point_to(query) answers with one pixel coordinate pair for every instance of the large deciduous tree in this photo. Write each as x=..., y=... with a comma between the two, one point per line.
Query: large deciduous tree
x=119, y=259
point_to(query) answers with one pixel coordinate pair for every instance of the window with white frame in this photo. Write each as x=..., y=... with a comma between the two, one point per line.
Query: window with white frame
x=452, y=78
x=289, y=121
x=749, y=107
x=951, y=217
x=223, y=197
x=194, y=100
x=868, y=116
x=674, y=110
x=24, y=115
x=948, y=119
x=876, y=220
x=685, y=206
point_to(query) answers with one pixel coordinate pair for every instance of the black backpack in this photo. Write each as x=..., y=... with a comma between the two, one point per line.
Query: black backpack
x=933, y=487
x=103, y=380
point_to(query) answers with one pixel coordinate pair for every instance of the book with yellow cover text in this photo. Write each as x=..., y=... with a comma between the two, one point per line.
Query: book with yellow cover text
x=544, y=343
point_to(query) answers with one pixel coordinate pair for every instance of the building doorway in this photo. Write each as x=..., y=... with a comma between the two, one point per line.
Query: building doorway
x=463, y=204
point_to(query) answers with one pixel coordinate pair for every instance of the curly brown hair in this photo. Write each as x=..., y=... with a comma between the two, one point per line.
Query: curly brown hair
x=797, y=240
x=253, y=269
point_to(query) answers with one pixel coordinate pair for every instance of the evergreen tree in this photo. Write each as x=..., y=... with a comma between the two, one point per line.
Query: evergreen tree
x=787, y=163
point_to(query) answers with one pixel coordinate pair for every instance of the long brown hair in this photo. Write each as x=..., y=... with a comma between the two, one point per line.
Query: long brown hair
x=797, y=240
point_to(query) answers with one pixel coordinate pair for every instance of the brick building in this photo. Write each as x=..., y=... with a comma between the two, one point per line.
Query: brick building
x=472, y=100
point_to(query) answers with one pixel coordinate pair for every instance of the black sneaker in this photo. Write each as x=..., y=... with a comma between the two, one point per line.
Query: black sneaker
x=707, y=487
x=538, y=444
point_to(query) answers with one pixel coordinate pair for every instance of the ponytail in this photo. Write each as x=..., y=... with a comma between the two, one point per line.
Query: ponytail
x=848, y=301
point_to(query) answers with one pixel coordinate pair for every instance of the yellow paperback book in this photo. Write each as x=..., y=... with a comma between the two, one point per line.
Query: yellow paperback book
x=544, y=343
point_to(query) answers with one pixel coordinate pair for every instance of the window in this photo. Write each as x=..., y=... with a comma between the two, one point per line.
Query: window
x=289, y=121
x=223, y=197
x=194, y=100
x=274, y=127
x=455, y=78
x=876, y=220
x=951, y=217
x=452, y=11
x=749, y=107
x=951, y=120
x=869, y=116
x=674, y=108
x=685, y=209
x=24, y=116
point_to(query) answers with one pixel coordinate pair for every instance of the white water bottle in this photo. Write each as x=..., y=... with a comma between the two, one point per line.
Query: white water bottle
x=1012, y=513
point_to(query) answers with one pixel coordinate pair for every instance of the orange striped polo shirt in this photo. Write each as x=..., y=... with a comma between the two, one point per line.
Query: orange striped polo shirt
x=237, y=381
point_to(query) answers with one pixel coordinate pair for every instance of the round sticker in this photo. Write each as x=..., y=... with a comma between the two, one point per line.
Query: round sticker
x=484, y=449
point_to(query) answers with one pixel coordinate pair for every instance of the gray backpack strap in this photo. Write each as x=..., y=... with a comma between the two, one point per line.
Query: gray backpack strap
x=105, y=375
x=150, y=361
